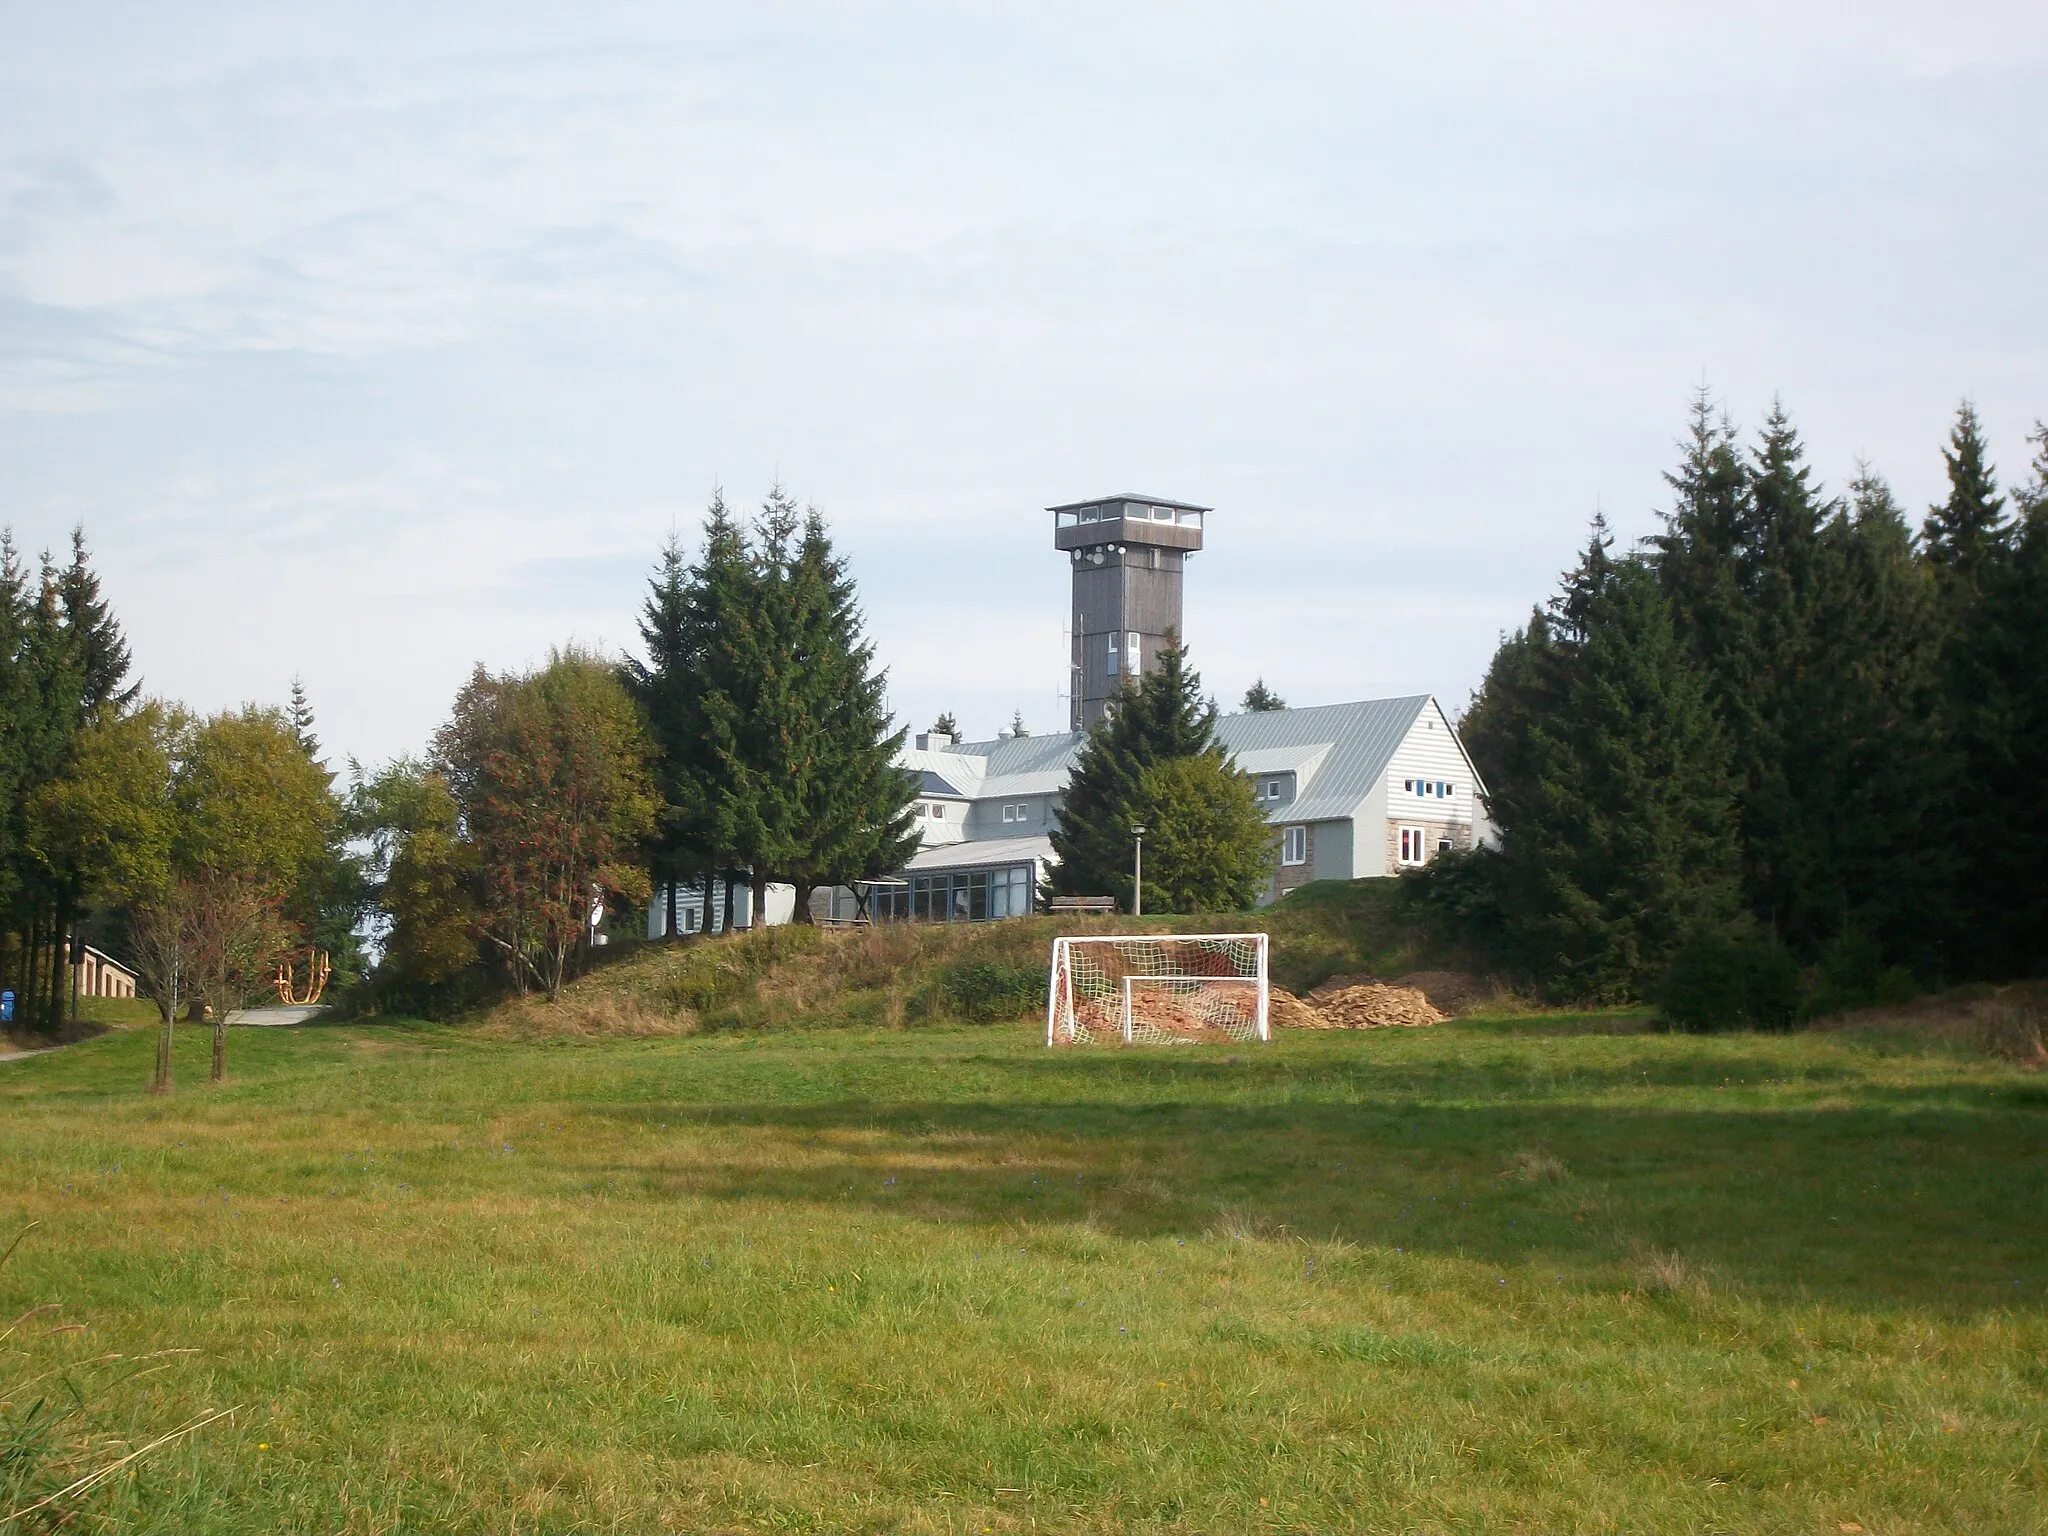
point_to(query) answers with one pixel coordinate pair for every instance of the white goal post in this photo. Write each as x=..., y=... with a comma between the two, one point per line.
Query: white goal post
x=1158, y=989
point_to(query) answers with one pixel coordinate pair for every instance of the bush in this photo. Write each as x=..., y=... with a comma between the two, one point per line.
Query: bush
x=985, y=991
x=1731, y=978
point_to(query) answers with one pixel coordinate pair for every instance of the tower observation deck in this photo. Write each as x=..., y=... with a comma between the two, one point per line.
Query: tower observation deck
x=1128, y=553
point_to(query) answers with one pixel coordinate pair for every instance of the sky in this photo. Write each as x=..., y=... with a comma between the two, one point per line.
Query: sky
x=370, y=343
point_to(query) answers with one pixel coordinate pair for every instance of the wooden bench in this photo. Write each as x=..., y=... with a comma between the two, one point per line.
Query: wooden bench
x=1094, y=906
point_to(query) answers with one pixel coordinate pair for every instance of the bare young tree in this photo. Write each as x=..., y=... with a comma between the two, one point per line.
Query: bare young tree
x=161, y=941
x=237, y=936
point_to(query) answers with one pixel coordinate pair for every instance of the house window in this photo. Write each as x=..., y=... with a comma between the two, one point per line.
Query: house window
x=938, y=811
x=1414, y=846
x=1018, y=811
x=1294, y=845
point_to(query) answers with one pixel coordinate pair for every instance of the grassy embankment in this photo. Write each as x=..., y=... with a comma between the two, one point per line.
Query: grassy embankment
x=913, y=974
x=1506, y=1274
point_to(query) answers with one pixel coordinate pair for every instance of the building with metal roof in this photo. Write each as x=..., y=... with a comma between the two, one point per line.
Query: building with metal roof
x=1352, y=791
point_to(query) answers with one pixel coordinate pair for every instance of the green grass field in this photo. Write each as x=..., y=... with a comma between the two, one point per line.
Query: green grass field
x=1547, y=1274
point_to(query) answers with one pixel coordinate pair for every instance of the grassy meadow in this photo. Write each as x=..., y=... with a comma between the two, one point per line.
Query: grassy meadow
x=1540, y=1273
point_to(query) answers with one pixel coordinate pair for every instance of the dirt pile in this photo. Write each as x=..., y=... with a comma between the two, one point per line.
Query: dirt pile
x=1375, y=1006
x=1286, y=1011
x=1346, y=1002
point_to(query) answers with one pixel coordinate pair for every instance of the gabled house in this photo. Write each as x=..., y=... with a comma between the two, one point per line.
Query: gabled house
x=1352, y=791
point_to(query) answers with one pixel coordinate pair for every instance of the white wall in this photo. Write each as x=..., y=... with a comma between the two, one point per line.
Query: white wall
x=1431, y=751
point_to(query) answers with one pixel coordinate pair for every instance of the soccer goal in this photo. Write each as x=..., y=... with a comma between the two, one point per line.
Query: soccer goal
x=1157, y=989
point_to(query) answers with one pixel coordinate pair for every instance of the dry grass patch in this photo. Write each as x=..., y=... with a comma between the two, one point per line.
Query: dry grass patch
x=1535, y=1165
x=1666, y=1272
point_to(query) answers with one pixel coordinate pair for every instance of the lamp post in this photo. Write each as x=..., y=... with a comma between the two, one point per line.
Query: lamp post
x=1137, y=871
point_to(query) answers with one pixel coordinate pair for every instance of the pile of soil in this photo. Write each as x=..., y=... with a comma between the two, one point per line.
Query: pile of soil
x=1346, y=1002
x=1286, y=1011
x=1375, y=1006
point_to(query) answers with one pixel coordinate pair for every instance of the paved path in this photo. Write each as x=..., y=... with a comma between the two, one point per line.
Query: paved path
x=24, y=1055
x=276, y=1016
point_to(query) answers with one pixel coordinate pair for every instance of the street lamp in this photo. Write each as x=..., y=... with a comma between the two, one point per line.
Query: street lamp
x=1137, y=872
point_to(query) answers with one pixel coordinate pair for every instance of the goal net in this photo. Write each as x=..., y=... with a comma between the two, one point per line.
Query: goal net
x=1157, y=989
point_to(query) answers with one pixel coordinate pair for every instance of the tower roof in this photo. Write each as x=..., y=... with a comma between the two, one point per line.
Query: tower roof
x=1154, y=501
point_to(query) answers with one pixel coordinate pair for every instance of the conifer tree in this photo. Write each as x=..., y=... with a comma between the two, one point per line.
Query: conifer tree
x=1773, y=730
x=103, y=658
x=1998, y=706
x=666, y=685
x=1965, y=531
x=1700, y=555
x=300, y=713
x=1519, y=690
x=1259, y=699
x=1622, y=841
x=1160, y=718
x=1864, y=769
x=751, y=702
x=777, y=749
x=850, y=804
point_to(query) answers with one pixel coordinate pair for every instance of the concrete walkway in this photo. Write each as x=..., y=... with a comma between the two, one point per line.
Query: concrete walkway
x=276, y=1016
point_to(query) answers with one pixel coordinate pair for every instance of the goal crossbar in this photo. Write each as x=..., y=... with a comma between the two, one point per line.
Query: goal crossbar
x=1158, y=987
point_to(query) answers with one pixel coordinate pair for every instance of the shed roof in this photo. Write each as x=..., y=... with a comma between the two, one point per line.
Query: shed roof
x=973, y=853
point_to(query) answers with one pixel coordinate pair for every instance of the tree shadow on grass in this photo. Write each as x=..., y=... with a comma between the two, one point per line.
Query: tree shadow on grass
x=1943, y=1207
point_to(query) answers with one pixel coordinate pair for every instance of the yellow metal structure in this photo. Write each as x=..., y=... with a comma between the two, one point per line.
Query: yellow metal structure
x=317, y=970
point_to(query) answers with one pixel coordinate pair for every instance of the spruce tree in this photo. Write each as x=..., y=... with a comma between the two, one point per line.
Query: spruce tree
x=1998, y=692
x=666, y=686
x=1863, y=771
x=103, y=658
x=758, y=737
x=1259, y=699
x=1520, y=688
x=1624, y=842
x=1162, y=717
x=1700, y=555
x=1775, y=729
x=1966, y=530
x=850, y=804
x=724, y=620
